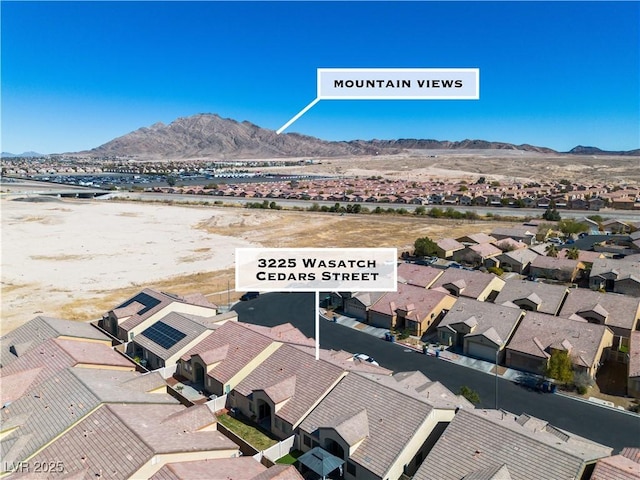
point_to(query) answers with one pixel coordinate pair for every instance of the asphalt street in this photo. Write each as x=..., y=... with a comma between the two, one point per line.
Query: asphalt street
x=609, y=427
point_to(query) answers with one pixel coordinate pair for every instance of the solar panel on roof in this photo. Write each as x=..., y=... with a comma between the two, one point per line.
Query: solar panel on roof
x=164, y=335
x=144, y=299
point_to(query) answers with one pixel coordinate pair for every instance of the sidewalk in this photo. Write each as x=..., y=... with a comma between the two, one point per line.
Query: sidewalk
x=486, y=367
x=480, y=365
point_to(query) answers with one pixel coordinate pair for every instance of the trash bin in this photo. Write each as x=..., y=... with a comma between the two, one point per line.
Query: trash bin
x=437, y=353
x=554, y=387
x=392, y=338
x=335, y=318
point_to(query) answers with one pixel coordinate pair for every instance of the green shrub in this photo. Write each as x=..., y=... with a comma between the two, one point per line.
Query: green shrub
x=495, y=270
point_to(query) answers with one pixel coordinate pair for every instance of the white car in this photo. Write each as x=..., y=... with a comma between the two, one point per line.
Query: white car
x=365, y=358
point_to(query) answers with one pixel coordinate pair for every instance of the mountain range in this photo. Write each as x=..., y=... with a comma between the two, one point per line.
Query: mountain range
x=210, y=136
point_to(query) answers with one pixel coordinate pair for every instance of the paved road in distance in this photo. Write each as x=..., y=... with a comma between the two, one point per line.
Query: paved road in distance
x=603, y=425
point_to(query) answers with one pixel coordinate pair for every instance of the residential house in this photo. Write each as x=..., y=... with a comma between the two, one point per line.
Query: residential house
x=494, y=444
x=147, y=307
x=509, y=244
x=596, y=204
x=522, y=234
x=40, y=329
x=412, y=308
x=354, y=423
x=555, y=268
x=624, y=466
x=446, y=247
x=539, y=335
x=163, y=433
x=42, y=362
x=33, y=421
x=517, y=261
x=232, y=351
x=476, y=238
x=418, y=275
x=479, y=329
x=532, y=296
x=165, y=341
x=616, y=226
x=358, y=304
x=621, y=313
x=280, y=392
x=470, y=284
x=477, y=254
x=633, y=371
x=620, y=276
x=584, y=256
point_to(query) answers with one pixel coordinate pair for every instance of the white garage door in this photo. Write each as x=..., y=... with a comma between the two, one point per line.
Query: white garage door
x=485, y=352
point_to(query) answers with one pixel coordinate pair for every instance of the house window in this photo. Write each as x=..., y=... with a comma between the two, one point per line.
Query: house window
x=251, y=407
x=306, y=439
x=351, y=468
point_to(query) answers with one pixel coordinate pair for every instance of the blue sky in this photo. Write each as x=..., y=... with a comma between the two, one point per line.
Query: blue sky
x=76, y=75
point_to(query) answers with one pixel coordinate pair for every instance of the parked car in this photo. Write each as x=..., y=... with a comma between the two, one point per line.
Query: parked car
x=249, y=296
x=365, y=358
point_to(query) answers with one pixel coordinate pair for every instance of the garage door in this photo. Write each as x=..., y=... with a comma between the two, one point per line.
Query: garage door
x=485, y=352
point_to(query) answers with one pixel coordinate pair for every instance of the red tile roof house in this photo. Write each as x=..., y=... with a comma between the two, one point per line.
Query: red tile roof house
x=137, y=440
x=145, y=308
x=470, y=284
x=381, y=427
x=538, y=335
x=532, y=296
x=633, y=381
x=625, y=466
x=222, y=360
x=281, y=391
x=479, y=329
x=560, y=269
x=498, y=445
x=413, y=308
x=620, y=276
x=620, y=313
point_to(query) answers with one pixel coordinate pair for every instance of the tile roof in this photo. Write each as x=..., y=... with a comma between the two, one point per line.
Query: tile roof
x=623, y=268
x=621, y=310
x=242, y=344
x=510, y=243
x=98, y=446
x=57, y=354
x=418, y=386
x=284, y=332
x=369, y=298
x=242, y=468
x=41, y=329
x=388, y=435
x=313, y=378
x=152, y=302
x=279, y=472
x=555, y=263
x=617, y=467
x=488, y=316
x=345, y=361
x=418, y=275
x=179, y=322
x=583, y=255
x=538, y=332
x=60, y=402
x=447, y=244
x=475, y=282
x=478, y=238
x=551, y=295
x=523, y=256
x=420, y=301
x=531, y=449
x=173, y=428
x=485, y=250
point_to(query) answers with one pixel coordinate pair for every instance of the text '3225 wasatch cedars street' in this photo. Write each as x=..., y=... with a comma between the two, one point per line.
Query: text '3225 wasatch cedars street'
x=309, y=269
